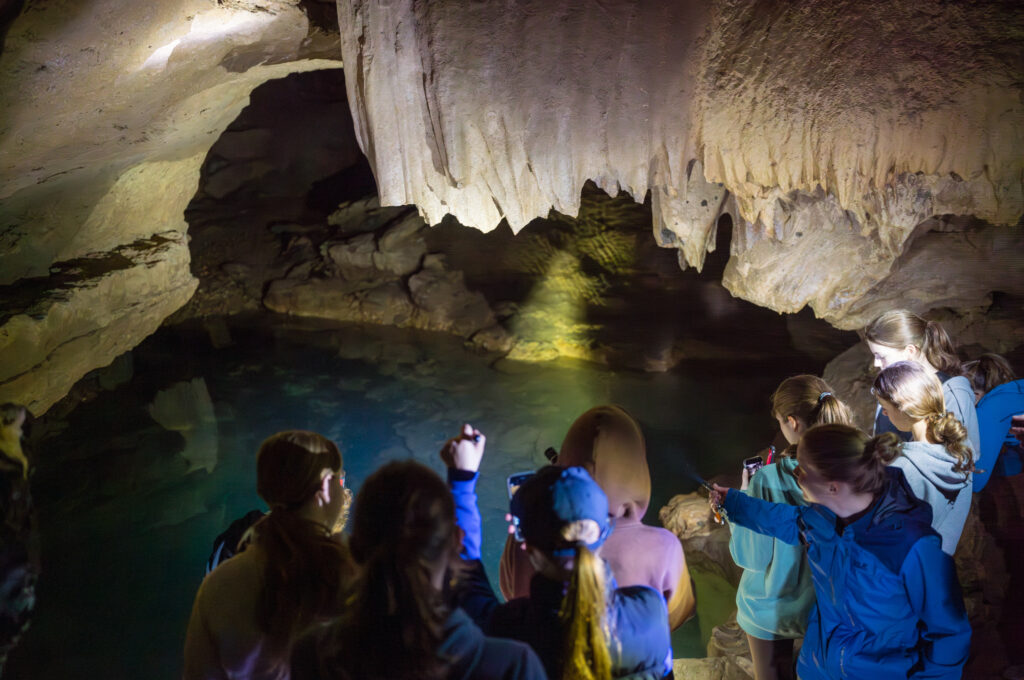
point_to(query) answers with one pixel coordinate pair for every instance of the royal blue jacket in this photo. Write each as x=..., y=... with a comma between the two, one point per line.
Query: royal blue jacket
x=1000, y=450
x=888, y=601
x=637, y=615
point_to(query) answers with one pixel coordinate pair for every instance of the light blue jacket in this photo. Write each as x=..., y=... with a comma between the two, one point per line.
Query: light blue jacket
x=930, y=474
x=776, y=593
x=889, y=605
x=994, y=412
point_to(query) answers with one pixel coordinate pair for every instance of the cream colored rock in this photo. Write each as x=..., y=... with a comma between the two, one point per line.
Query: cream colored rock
x=828, y=135
x=108, y=111
x=91, y=318
x=705, y=543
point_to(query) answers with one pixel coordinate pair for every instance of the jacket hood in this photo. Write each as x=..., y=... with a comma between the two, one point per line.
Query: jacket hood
x=609, y=444
x=898, y=500
x=935, y=464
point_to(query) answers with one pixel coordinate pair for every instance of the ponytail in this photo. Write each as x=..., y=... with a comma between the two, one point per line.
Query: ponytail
x=845, y=454
x=305, y=568
x=810, y=400
x=918, y=394
x=584, y=616
x=951, y=433
x=305, y=573
x=901, y=327
x=938, y=348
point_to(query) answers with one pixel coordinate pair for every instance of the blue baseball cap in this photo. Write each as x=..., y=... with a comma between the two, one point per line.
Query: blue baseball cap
x=559, y=508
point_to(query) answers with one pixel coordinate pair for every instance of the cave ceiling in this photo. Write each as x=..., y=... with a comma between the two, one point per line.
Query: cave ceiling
x=862, y=150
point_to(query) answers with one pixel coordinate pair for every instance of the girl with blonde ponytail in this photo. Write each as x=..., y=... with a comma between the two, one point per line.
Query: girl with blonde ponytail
x=580, y=624
x=888, y=601
x=938, y=461
x=901, y=335
x=776, y=595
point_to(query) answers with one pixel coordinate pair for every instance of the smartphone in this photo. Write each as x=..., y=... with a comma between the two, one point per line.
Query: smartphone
x=753, y=464
x=513, y=483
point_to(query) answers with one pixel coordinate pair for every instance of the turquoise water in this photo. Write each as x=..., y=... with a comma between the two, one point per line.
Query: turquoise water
x=127, y=520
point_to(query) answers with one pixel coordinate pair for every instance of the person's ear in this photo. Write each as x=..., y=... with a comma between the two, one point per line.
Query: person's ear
x=323, y=494
x=795, y=424
x=912, y=351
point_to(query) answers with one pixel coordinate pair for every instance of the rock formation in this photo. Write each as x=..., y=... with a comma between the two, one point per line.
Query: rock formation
x=863, y=154
x=829, y=131
x=108, y=112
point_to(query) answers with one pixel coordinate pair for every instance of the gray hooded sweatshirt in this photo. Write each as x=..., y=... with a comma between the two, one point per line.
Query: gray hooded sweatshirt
x=929, y=471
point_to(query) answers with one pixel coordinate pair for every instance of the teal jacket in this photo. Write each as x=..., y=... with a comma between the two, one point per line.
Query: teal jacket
x=776, y=593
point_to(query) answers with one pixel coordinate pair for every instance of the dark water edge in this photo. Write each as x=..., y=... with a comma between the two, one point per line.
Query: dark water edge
x=127, y=521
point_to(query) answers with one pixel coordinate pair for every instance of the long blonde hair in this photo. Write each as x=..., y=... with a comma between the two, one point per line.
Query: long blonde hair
x=918, y=394
x=585, y=653
x=901, y=327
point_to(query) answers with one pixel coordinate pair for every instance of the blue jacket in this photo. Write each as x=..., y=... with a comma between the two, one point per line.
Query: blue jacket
x=889, y=604
x=994, y=412
x=637, y=615
x=776, y=594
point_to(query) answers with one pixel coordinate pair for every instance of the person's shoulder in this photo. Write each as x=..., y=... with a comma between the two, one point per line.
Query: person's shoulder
x=959, y=384
x=1007, y=392
x=241, y=573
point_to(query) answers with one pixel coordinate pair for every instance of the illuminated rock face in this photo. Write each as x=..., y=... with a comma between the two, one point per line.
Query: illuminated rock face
x=829, y=131
x=108, y=111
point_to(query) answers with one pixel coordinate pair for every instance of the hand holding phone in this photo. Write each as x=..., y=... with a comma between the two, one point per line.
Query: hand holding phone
x=753, y=464
x=513, y=483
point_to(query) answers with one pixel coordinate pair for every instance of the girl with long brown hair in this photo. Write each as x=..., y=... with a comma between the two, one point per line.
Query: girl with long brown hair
x=938, y=461
x=888, y=603
x=397, y=625
x=901, y=335
x=249, y=609
x=776, y=595
x=580, y=624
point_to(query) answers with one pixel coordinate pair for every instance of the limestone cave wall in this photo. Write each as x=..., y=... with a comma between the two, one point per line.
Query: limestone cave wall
x=835, y=133
x=866, y=155
x=108, y=111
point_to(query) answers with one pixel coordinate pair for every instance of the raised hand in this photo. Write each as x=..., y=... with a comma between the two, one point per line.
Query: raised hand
x=465, y=451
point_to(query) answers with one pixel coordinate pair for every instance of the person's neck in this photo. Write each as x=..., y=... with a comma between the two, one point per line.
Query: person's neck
x=851, y=505
x=919, y=432
x=314, y=513
x=926, y=365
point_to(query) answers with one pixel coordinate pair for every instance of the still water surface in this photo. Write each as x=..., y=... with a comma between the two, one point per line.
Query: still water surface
x=128, y=506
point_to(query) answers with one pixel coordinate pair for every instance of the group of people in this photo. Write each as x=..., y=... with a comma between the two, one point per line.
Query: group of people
x=845, y=540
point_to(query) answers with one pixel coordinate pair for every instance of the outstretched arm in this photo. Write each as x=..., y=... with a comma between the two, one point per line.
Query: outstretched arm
x=764, y=517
